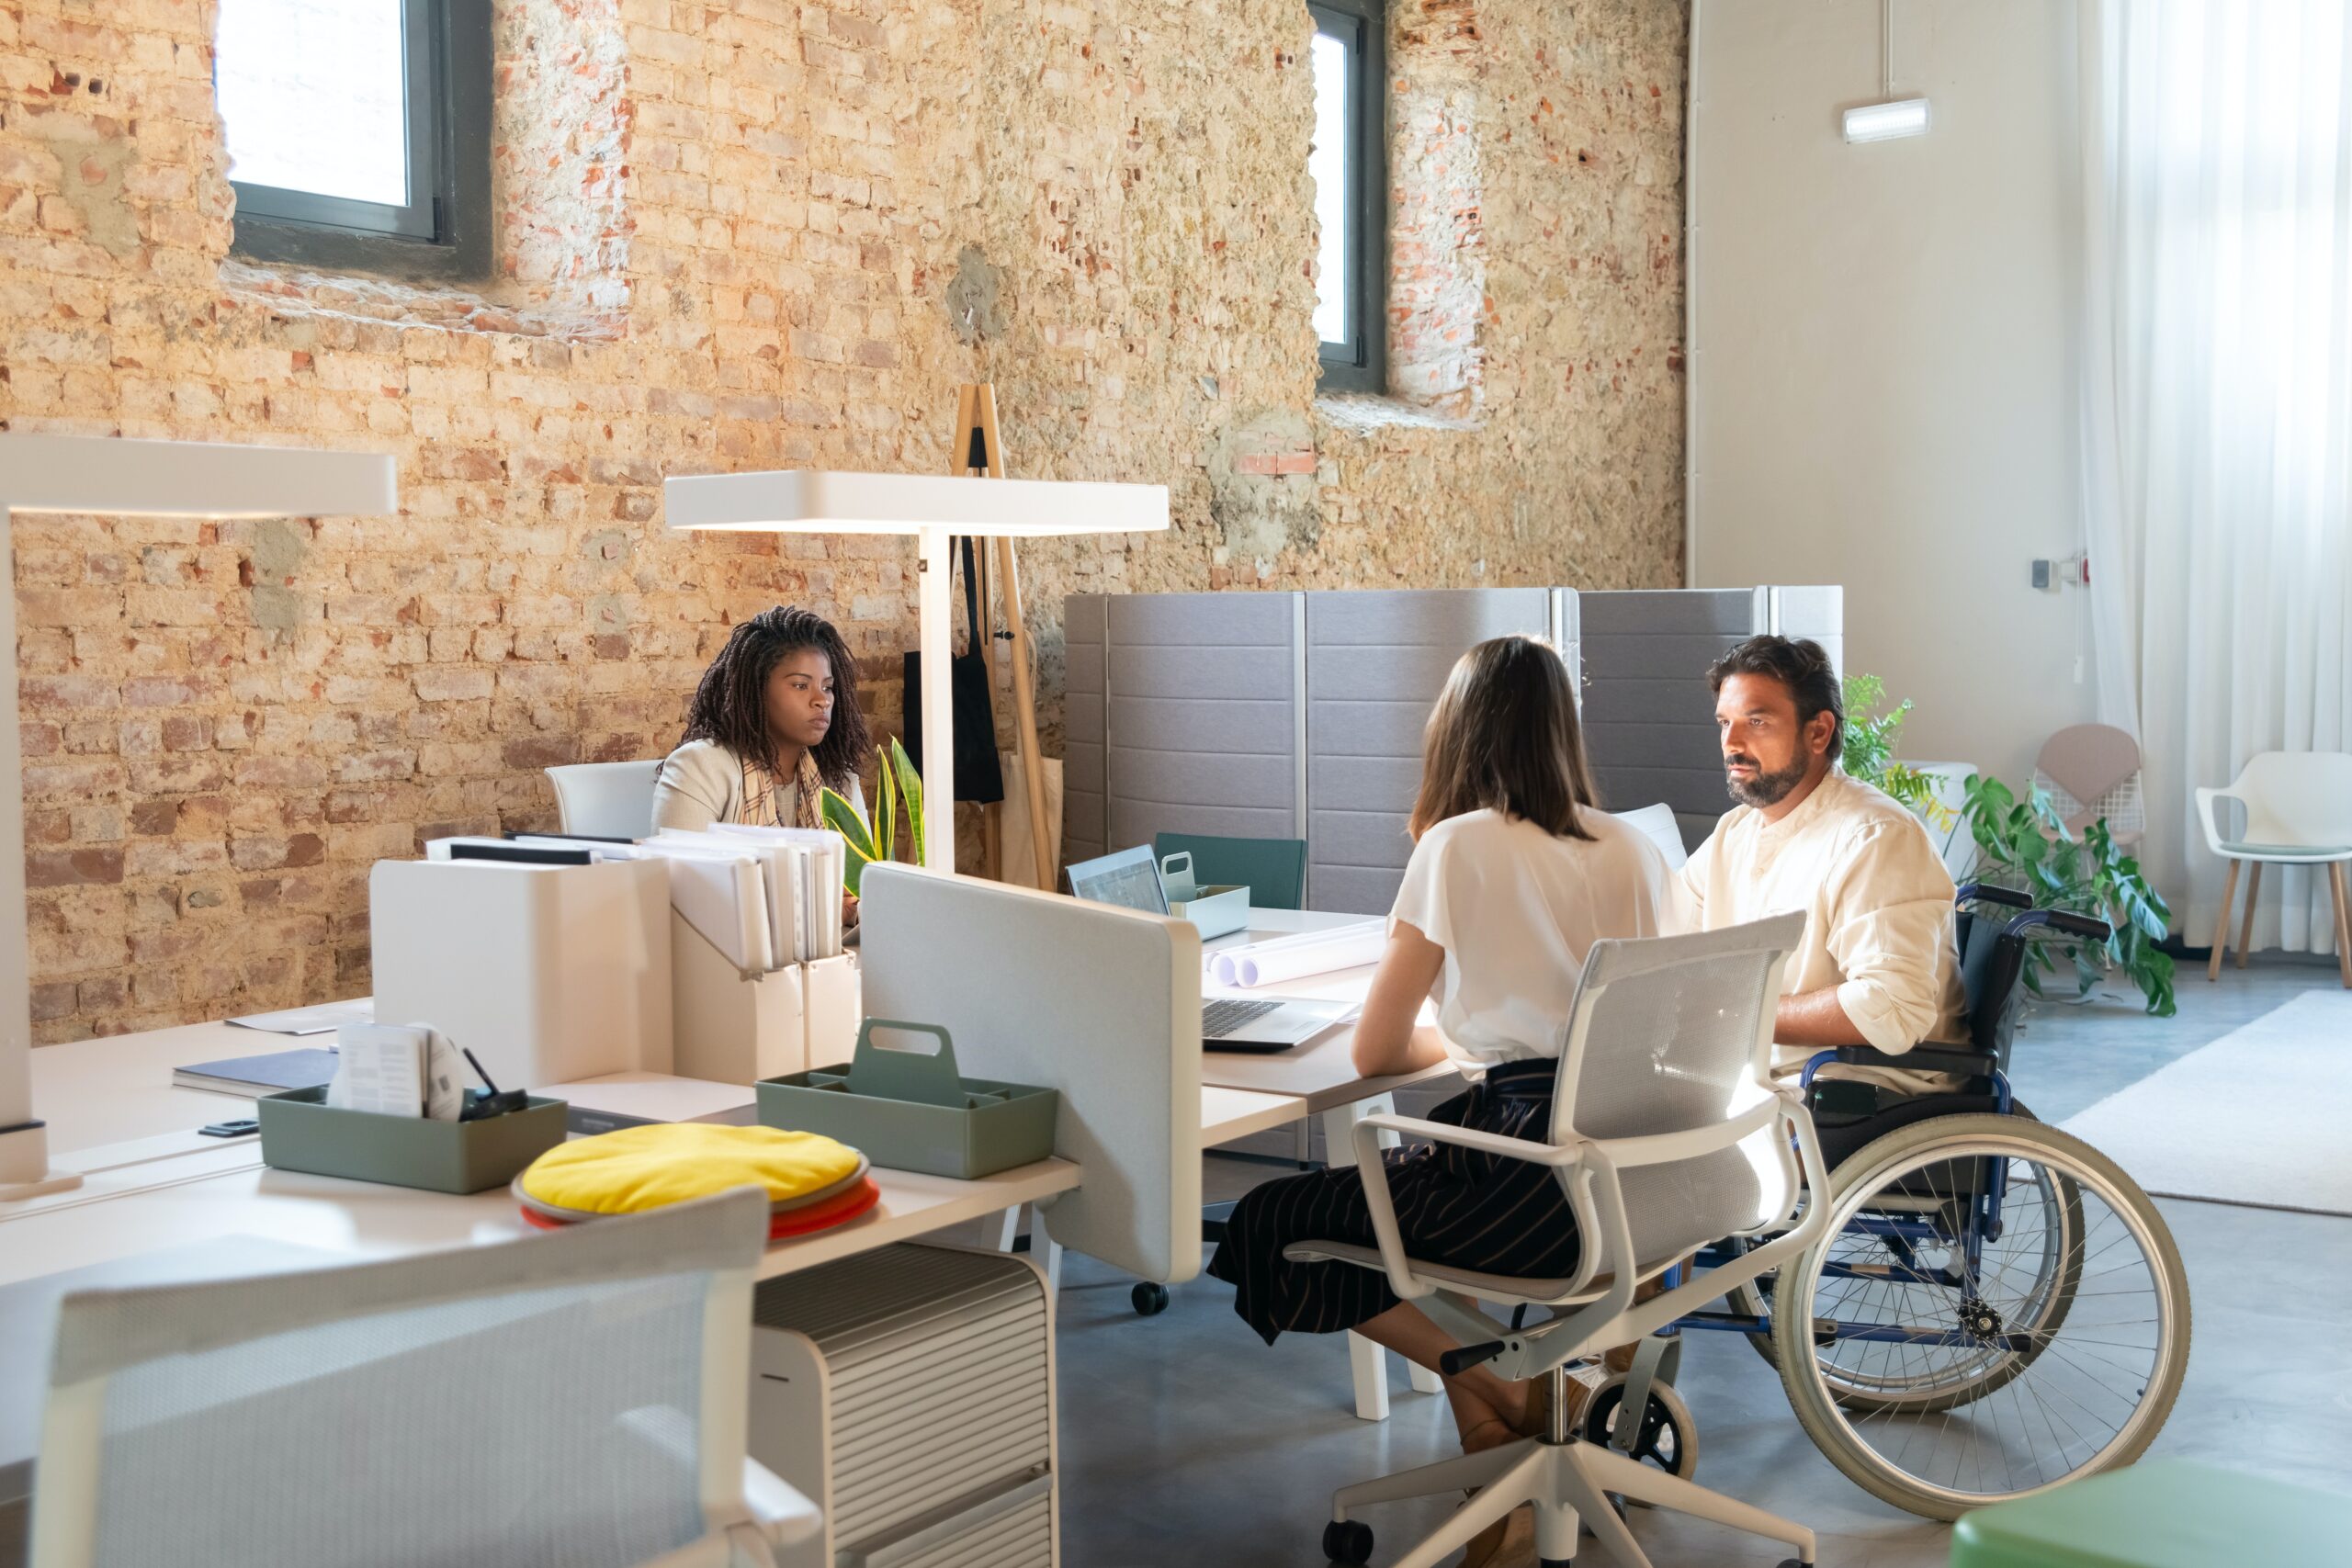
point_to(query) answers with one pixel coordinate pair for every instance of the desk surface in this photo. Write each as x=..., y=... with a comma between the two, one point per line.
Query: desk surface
x=1321, y=1073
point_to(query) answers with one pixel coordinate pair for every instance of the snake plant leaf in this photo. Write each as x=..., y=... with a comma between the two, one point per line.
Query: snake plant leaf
x=857, y=839
x=909, y=786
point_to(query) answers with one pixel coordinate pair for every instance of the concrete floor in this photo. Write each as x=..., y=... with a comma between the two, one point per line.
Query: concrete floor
x=1184, y=1440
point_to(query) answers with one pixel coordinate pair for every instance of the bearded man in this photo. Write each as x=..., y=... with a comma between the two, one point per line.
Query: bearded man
x=1876, y=965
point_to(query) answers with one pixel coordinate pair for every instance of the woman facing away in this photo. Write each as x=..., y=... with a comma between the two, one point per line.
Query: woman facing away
x=1515, y=872
x=773, y=720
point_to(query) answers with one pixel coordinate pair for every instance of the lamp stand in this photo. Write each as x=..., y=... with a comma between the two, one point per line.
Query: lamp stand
x=980, y=450
x=25, y=1170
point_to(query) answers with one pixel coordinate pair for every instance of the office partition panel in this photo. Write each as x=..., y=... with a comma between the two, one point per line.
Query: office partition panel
x=1649, y=713
x=1183, y=717
x=1375, y=662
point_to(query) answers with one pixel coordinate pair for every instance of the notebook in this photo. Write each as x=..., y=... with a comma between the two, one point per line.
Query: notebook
x=254, y=1075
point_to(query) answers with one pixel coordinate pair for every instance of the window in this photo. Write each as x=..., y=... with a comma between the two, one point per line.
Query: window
x=358, y=132
x=1349, y=161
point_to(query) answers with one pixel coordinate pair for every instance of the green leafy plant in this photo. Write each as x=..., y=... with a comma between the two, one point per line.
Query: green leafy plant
x=2026, y=844
x=1869, y=750
x=879, y=838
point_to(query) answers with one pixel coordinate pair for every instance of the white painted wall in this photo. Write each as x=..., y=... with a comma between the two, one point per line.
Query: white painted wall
x=1883, y=348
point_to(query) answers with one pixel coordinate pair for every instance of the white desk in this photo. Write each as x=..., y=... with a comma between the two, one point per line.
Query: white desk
x=152, y=1184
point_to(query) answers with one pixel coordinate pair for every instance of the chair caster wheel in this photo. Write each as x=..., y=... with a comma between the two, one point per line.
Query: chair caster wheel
x=1348, y=1541
x=1149, y=1300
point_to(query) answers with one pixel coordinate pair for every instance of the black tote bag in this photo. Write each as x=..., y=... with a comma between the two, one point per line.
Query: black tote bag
x=979, y=775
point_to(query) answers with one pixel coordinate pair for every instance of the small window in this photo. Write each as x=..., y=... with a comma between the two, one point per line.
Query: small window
x=358, y=131
x=1349, y=161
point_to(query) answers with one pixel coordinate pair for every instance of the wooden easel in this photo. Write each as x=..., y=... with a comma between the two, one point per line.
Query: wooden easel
x=978, y=451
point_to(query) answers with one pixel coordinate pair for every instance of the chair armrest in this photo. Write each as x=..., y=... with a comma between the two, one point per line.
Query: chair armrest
x=2211, y=824
x=1471, y=1138
x=1991, y=893
x=784, y=1516
x=2065, y=920
x=1382, y=1203
x=1919, y=1058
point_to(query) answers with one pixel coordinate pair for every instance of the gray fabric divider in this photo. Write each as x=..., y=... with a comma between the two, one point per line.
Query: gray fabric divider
x=1193, y=724
x=1375, y=662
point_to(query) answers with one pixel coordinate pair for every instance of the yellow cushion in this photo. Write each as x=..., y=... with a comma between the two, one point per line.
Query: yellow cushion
x=637, y=1168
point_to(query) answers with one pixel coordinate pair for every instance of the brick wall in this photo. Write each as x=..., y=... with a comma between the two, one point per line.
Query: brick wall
x=734, y=235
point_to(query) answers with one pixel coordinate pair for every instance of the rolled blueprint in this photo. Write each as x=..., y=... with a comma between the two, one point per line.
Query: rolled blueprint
x=1308, y=952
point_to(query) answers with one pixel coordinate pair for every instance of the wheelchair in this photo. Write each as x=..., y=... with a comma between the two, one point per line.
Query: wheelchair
x=1994, y=1308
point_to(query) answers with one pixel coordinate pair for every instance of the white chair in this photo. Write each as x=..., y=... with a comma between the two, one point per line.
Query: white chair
x=578, y=1399
x=2092, y=771
x=1658, y=824
x=2298, y=812
x=605, y=800
x=1668, y=1132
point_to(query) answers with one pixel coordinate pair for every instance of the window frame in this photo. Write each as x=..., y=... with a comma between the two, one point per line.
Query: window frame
x=443, y=234
x=1361, y=364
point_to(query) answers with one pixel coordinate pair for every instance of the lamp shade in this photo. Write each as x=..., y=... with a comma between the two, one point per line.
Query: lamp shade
x=123, y=477
x=815, y=501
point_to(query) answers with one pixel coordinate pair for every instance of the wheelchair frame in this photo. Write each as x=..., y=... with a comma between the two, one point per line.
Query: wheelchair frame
x=1994, y=981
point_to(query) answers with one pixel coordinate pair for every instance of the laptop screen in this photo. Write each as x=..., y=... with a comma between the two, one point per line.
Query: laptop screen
x=1129, y=878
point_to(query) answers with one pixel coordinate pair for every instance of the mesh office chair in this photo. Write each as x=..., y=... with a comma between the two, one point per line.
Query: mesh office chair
x=1668, y=1132
x=570, y=1401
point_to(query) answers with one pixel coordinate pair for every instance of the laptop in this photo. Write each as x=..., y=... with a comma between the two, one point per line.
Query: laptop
x=1130, y=879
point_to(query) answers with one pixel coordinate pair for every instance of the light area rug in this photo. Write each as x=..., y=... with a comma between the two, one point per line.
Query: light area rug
x=2262, y=1116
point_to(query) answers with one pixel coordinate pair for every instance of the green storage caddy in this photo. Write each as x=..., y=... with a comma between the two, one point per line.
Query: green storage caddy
x=910, y=1110
x=2166, y=1514
x=301, y=1132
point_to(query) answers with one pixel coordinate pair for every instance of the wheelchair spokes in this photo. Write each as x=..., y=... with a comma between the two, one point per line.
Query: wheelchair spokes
x=2008, y=1311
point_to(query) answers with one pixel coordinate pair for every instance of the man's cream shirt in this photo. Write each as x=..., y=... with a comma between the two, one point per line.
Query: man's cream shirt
x=1878, y=911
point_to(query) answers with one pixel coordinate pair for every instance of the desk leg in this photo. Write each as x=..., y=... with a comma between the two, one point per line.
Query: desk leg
x=1367, y=1363
x=1008, y=1228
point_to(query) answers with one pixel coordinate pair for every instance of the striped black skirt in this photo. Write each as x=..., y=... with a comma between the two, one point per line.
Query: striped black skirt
x=1455, y=1206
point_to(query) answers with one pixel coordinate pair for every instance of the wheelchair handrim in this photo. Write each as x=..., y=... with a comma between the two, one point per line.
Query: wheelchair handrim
x=2043, y=1304
x=2158, y=1383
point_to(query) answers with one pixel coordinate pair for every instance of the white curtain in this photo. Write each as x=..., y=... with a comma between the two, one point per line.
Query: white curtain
x=2217, y=406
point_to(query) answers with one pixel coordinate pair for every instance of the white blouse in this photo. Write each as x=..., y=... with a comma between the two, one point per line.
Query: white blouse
x=1515, y=909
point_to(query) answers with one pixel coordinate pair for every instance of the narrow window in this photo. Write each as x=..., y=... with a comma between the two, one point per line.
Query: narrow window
x=1349, y=163
x=357, y=132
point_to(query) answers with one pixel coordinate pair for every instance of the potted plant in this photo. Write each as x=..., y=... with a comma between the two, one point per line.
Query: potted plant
x=878, y=840
x=2024, y=844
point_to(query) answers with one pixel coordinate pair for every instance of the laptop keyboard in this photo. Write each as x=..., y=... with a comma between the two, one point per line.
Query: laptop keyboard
x=1223, y=1015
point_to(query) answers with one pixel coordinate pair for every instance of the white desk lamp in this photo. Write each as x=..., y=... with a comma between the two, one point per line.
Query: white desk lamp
x=117, y=478
x=935, y=509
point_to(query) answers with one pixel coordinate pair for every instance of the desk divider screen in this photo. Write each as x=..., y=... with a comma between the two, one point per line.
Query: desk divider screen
x=1178, y=720
x=1101, y=1003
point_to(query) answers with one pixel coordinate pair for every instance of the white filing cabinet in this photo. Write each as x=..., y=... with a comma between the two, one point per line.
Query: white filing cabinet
x=909, y=1391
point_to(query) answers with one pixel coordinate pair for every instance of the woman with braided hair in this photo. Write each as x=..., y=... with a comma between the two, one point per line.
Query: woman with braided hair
x=775, y=719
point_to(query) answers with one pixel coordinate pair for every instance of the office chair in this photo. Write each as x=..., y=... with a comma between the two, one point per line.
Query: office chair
x=605, y=800
x=577, y=1399
x=1666, y=1129
x=1274, y=870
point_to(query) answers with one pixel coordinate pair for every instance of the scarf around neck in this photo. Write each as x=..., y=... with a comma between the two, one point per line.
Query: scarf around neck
x=761, y=788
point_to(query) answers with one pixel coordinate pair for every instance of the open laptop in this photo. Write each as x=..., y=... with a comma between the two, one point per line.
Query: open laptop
x=1130, y=879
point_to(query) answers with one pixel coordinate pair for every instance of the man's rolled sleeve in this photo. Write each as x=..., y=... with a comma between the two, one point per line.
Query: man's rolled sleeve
x=1891, y=934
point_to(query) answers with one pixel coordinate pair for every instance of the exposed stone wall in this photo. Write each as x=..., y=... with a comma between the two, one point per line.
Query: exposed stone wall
x=736, y=235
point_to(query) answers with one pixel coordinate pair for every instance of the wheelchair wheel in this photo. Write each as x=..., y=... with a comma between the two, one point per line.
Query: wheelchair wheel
x=2011, y=1312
